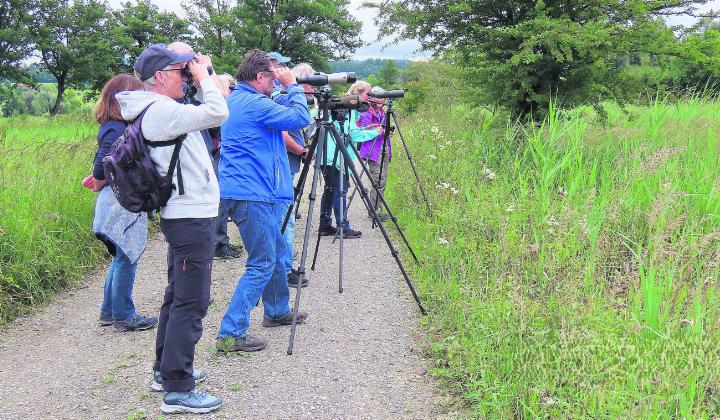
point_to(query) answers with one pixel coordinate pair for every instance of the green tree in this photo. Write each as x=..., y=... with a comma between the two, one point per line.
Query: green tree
x=215, y=24
x=73, y=44
x=15, y=43
x=307, y=30
x=527, y=52
x=388, y=74
x=141, y=24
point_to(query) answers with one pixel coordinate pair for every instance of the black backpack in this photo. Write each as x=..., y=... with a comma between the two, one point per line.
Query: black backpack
x=132, y=174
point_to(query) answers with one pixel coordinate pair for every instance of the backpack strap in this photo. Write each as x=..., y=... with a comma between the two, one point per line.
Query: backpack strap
x=175, y=161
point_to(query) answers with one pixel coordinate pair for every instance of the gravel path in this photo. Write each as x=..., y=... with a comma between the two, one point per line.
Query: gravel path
x=356, y=357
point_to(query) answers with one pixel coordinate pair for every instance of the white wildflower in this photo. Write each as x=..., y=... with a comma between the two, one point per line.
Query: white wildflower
x=442, y=241
x=510, y=208
x=441, y=146
x=444, y=185
x=553, y=222
x=488, y=173
x=454, y=190
x=433, y=157
x=435, y=130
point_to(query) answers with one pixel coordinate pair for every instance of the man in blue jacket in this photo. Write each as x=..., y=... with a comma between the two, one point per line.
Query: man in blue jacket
x=256, y=188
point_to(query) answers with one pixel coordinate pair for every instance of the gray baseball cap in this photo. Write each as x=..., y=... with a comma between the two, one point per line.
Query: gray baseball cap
x=156, y=57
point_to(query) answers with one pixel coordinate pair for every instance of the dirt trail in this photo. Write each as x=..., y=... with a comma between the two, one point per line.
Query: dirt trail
x=357, y=356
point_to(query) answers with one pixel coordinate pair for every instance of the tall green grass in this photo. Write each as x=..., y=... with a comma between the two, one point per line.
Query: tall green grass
x=45, y=214
x=571, y=269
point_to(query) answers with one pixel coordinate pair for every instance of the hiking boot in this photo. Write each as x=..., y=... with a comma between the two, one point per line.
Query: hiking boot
x=189, y=402
x=136, y=323
x=247, y=344
x=284, y=320
x=105, y=320
x=157, y=383
x=294, y=276
x=350, y=234
x=327, y=230
x=228, y=252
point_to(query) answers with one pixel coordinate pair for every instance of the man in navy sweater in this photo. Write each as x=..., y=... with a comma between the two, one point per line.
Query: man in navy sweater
x=256, y=188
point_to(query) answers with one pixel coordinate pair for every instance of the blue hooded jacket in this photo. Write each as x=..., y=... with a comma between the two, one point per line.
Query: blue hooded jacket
x=254, y=163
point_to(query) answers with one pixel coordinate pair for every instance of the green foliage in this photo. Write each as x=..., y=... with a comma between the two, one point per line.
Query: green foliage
x=73, y=43
x=307, y=31
x=527, y=53
x=22, y=100
x=15, y=43
x=389, y=75
x=571, y=269
x=46, y=241
x=142, y=24
x=435, y=83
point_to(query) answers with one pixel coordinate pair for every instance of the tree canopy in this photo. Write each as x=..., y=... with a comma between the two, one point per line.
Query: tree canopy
x=527, y=52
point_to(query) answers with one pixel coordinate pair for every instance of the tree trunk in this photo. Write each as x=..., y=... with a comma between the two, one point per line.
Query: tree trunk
x=58, y=99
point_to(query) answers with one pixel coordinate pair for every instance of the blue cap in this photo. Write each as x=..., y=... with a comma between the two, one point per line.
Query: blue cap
x=278, y=57
x=156, y=57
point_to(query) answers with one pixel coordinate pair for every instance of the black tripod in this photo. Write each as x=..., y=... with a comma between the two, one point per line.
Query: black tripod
x=389, y=119
x=326, y=128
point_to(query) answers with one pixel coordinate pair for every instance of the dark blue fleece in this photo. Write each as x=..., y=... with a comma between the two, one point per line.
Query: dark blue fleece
x=109, y=132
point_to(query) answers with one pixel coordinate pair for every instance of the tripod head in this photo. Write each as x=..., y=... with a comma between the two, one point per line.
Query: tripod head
x=328, y=101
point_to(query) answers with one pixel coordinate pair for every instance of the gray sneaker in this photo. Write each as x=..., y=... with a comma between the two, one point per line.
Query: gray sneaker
x=284, y=320
x=247, y=343
x=136, y=323
x=157, y=386
x=105, y=320
x=189, y=402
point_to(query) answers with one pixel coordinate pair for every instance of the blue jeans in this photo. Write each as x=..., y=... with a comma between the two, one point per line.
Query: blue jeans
x=265, y=271
x=117, y=299
x=330, y=201
x=289, y=236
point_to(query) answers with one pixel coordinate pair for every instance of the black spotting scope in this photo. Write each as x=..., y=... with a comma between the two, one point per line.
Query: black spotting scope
x=387, y=94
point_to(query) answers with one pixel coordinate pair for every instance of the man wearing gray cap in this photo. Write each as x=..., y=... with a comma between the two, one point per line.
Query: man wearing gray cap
x=187, y=218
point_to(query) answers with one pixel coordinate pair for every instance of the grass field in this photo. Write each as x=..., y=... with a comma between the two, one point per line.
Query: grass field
x=46, y=215
x=572, y=269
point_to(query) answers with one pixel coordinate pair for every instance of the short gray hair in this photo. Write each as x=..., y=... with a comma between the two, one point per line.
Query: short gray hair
x=303, y=69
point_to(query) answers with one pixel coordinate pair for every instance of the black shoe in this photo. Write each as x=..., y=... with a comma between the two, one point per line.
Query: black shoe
x=298, y=216
x=327, y=231
x=351, y=234
x=227, y=252
x=293, y=278
x=105, y=320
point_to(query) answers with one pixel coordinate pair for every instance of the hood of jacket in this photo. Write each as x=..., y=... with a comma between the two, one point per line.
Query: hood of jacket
x=132, y=103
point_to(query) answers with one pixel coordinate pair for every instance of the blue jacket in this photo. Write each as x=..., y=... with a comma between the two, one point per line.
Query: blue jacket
x=253, y=163
x=280, y=97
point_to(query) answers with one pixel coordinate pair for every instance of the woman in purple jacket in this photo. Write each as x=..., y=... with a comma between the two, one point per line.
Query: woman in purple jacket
x=372, y=151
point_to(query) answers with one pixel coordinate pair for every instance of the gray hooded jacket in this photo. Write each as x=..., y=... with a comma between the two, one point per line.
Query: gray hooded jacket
x=167, y=119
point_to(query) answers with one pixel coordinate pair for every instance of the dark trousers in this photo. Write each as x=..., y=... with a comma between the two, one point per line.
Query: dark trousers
x=187, y=296
x=220, y=236
x=332, y=199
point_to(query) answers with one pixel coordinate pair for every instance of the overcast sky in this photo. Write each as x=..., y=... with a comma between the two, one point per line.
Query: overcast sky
x=405, y=49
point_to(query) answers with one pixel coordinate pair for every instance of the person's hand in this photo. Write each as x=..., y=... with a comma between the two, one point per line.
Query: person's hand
x=285, y=76
x=99, y=184
x=304, y=153
x=88, y=182
x=199, y=67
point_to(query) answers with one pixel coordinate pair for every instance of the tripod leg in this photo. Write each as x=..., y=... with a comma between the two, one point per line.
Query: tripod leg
x=306, y=239
x=411, y=160
x=374, y=215
x=364, y=195
x=341, y=218
x=300, y=187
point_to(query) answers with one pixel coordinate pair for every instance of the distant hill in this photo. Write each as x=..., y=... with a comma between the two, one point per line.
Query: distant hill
x=364, y=68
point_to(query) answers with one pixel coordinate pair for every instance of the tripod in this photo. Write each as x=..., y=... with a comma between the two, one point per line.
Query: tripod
x=325, y=130
x=391, y=117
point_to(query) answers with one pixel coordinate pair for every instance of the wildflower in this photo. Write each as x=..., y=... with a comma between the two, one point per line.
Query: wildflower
x=442, y=241
x=510, y=209
x=441, y=146
x=553, y=222
x=433, y=157
x=454, y=190
x=435, y=130
x=443, y=185
x=488, y=173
